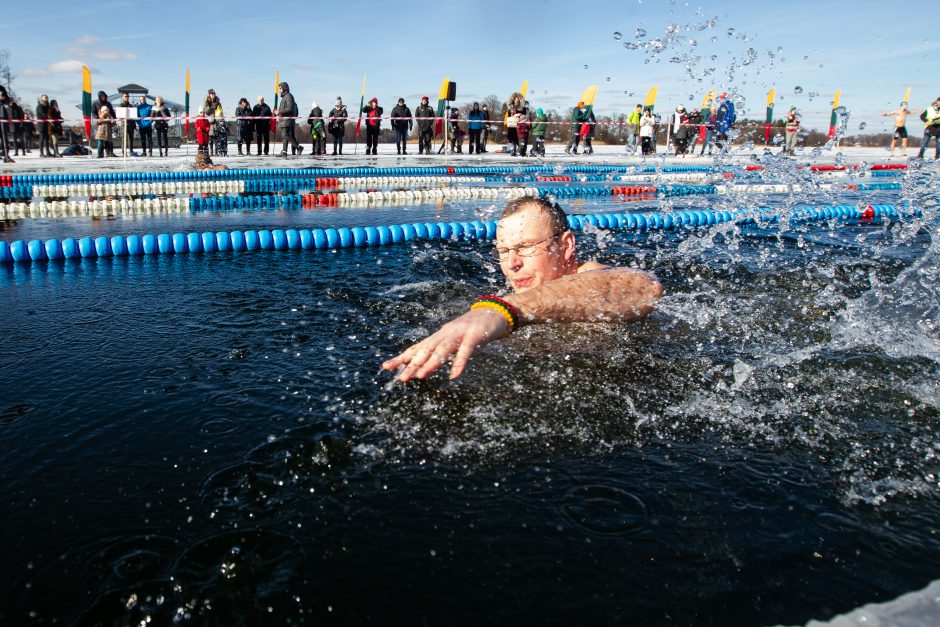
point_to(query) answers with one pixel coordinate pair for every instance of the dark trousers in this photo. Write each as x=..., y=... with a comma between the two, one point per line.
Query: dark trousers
x=163, y=140
x=538, y=146
x=288, y=130
x=45, y=147
x=130, y=135
x=647, y=144
x=401, y=139
x=264, y=134
x=424, y=141
x=475, y=142
x=486, y=136
x=338, y=142
x=926, y=141
x=372, y=138
x=146, y=139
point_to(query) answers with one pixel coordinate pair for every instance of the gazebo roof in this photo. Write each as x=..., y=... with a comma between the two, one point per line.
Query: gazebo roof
x=132, y=88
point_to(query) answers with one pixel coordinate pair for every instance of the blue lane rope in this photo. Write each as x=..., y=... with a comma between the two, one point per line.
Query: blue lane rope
x=308, y=239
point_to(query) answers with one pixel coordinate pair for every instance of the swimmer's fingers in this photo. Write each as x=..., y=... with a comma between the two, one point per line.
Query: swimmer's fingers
x=464, y=351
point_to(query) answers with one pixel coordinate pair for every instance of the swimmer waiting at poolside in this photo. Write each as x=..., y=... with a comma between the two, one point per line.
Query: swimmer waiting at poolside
x=536, y=252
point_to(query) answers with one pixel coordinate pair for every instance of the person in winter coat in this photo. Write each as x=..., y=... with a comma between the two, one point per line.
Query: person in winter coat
x=5, y=131
x=588, y=134
x=724, y=119
x=373, y=113
x=286, y=113
x=456, y=133
x=633, y=128
x=202, y=131
x=337, y=124
x=402, y=123
x=709, y=124
x=162, y=125
x=244, y=126
x=103, y=132
x=55, y=126
x=42, y=119
x=791, y=124
x=129, y=123
x=317, y=129
x=217, y=127
x=931, y=119
x=425, y=116
x=522, y=131
x=578, y=118
x=647, y=131
x=539, y=128
x=475, y=123
x=261, y=112
x=145, y=127
x=694, y=122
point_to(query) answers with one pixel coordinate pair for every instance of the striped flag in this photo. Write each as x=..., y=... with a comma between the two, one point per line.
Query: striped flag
x=834, y=118
x=187, y=105
x=441, y=106
x=362, y=102
x=707, y=100
x=86, y=101
x=770, y=114
x=650, y=102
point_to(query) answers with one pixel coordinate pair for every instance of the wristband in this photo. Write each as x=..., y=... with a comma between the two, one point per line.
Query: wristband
x=498, y=304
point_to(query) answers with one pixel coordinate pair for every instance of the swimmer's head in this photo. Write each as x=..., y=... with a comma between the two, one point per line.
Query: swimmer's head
x=534, y=244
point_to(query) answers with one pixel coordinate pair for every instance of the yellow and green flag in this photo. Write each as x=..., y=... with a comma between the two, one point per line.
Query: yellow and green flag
x=86, y=101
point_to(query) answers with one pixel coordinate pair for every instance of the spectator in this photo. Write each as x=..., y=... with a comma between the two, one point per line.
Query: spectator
x=486, y=125
x=6, y=113
x=162, y=114
x=724, y=120
x=17, y=115
x=55, y=127
x=633, y=128
x=286, y=121
x=337, y=125
x=647, y=131
x=42, y=121
x=202, y=131
x=244, y=126
x=425, y=116
x=931, y=120
x=694, y=122
x=145, y=127
x=475, y=123
x=130, y=124
x=317, y=129
x=578, y=118
x=261, y=112
x=96, y=113
x=590, y=122
x=402, y=123
x=220, y=126
x=373, y=113
x=103, y=132
x=523, y=126
x=456, y=139
x=539, y=128
x=791, y=122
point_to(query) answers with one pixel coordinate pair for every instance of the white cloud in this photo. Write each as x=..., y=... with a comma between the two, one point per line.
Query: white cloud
x=67, y=66
x=91, y=47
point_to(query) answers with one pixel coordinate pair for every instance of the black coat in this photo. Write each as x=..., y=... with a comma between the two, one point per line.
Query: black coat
x=263, y=113
x=244, y=125
x=337, y=125
x=401, y=111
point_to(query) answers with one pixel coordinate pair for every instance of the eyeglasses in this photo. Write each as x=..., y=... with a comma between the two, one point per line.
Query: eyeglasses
x=523, y=250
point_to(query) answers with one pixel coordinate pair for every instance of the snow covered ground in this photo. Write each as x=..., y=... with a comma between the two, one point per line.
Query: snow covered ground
x=182, y=159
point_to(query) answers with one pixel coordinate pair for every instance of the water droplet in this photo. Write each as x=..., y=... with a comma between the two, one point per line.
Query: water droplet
x=862, y=126
x=640, y=33
x=608, y=79
x=797, y=90
x=750, y=56
x=730, y=32
x=713, y=38
x=626, y=93
x=585, y=66
x=805, y=57
x=629, y=45
x=618, y=35
x=692, y=42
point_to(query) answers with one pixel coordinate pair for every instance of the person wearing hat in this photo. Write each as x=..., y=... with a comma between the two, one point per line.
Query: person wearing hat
x=724, y=119
x=261, y=112
x=103, y=132
x=287, y=119
x=931, y=119
x=791, y=123
x=475, y=123
x=6, y=113
x=425, y=117
x=578, y=118
x=486, y=125
x=317, y=129
x=539, y=129
x=202, y=131
x=373, y=113
x=674, y=126
x=402, y=123
x=337, y=126
x=96, y=113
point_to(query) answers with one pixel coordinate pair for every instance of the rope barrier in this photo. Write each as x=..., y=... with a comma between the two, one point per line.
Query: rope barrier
x=309, y=239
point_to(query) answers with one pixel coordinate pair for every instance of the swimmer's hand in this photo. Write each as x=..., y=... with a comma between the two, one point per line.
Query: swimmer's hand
x=458, y=339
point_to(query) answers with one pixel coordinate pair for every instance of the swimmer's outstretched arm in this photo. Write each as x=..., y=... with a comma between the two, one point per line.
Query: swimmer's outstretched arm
x=610, y=294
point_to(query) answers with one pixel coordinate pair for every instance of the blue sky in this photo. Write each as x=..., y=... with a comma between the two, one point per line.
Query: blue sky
x=869, y=50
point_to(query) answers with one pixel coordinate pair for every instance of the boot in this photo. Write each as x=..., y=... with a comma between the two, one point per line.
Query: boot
x=239, y=149
x=300, y=149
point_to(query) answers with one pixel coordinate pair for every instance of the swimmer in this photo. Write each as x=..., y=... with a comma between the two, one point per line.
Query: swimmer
x=900, y=127
x=536, y=252
x=203, y=162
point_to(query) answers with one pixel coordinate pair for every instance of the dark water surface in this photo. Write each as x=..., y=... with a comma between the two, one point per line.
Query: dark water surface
x=208, y=439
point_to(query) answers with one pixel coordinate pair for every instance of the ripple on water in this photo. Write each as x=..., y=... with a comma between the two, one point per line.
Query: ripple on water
x=606, y=509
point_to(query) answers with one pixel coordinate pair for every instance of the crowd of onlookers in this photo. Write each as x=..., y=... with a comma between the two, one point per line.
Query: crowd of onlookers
x=147, y=123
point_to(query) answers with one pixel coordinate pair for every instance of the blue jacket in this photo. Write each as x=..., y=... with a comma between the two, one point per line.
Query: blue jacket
x=143, y=111
x=475, y=120
x=724, y=119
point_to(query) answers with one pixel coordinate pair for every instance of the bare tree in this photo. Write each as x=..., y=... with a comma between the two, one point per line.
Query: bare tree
x=6, y=73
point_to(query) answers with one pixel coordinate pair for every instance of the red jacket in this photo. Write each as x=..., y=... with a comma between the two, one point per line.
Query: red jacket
x=202, y=130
